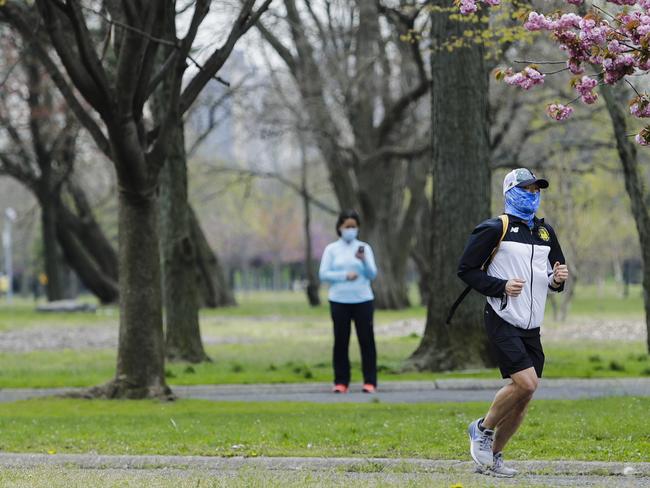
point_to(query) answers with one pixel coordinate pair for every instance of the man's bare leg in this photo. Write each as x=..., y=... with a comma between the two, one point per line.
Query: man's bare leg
x=509, y=425
x=509, y=406
x=510, y=401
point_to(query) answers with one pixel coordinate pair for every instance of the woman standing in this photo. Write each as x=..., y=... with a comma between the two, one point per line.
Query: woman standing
x=349, y=266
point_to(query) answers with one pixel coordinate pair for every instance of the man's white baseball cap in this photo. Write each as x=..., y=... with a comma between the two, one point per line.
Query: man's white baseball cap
x=522, y=177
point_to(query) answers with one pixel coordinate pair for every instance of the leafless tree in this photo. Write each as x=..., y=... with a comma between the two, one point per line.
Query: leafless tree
x=108, y=83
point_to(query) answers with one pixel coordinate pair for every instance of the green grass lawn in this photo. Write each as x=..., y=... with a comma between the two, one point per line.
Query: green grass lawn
x=596, y=301
x=277, y=362
x=599, y=429
x=277, y=337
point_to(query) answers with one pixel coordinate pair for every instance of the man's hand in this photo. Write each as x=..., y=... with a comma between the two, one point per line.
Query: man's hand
x=560, y=274
x=514, y=287
x=351, y=276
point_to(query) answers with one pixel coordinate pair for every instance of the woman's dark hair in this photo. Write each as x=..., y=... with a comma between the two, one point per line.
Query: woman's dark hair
x=345, y=215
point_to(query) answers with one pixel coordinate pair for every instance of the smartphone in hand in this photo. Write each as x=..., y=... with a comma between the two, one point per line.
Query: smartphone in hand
x=361, y=250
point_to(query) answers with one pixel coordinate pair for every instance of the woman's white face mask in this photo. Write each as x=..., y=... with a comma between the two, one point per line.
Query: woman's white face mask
x=349, y=234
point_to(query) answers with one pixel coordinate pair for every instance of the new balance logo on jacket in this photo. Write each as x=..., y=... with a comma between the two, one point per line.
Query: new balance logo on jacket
x=524, y=253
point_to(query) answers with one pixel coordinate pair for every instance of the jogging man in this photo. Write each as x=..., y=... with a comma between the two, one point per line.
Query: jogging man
x=528, y=262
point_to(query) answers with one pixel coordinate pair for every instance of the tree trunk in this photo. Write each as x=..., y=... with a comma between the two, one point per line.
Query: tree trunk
x=634, y=185
x=51, y=254
x=461, y=196
x=214, y=287
x=421, y=250
x=424, y=287
x=312, y=281
x=83, y=262
x=389, y=287
x=178, y=252
x=86, y=248
x=388, y=223
x=177, y=247
x=140, y=356
x=89, y=232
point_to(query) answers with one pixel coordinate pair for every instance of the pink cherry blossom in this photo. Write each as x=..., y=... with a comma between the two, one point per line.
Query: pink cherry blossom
x=616, y=44
x=641, y=140
x=526, y=78
x=558, y=111
x=568, y=21
x=574, y=67
x=537, y=22
x=640, y=106
x=615, y=47
x=617, y=67
x=585, y=88
x=468, y=7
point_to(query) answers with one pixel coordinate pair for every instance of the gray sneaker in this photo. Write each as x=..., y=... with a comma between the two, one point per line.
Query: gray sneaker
x=480, y=444
x=499, y=468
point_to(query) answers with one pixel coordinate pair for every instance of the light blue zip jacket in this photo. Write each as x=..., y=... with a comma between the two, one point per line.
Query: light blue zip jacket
x=337, y=261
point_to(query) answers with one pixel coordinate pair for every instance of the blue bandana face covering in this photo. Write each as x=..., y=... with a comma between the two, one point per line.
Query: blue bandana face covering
x=522, y=204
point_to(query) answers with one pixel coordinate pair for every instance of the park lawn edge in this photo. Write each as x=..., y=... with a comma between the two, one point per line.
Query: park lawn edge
x=604, y=429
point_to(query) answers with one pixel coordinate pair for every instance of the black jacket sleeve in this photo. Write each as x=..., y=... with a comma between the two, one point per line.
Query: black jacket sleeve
x=479, y=247
x=555, y=255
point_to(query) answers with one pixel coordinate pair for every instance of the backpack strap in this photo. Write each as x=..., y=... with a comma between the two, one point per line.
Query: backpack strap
x=505, y=221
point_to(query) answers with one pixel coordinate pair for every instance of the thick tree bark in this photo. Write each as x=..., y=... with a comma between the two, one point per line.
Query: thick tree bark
x=635, y=185
x=422, y=259
x=140, y=358
x=214, y=288
x=461, y=196
x=178, y=252
x=177, y=247
x=55, y=289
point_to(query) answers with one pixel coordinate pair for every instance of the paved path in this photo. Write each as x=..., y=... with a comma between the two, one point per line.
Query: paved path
x=458, y=390
x=351, y=470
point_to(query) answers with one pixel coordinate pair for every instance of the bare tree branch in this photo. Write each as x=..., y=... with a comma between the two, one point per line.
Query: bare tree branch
x=21, y=19
x=16, y=170
x=385, y=152
x=405, y=24
x=86, y=47
x=60, y=37
x=131, y=58
x=246, y=19
x=213, y=122
x=285, y=181
x=279, y=48
x=546, y=155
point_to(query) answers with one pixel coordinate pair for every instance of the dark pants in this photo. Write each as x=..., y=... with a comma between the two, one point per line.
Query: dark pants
x=342, y=316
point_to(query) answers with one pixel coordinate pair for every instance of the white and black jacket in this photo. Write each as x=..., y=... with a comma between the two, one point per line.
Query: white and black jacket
x=524, y=253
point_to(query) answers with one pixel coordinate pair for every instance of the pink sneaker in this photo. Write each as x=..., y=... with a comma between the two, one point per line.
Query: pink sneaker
x=340, y=389
x=368, y=388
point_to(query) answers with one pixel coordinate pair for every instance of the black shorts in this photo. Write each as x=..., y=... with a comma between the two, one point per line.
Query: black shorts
x=515, y=349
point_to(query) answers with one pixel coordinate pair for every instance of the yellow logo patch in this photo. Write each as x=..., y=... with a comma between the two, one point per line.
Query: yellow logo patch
x=544, y=235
